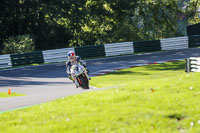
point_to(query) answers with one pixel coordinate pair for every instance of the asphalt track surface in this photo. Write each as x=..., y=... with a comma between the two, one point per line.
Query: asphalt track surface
x=48, y=82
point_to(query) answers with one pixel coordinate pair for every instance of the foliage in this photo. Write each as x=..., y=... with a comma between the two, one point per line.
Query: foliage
x=67, y=23
x=172, y=107
x=195, y=15
x=18, y=44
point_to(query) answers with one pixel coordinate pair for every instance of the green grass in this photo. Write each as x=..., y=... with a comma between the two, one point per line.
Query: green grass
x=4, y=94
x=174, y=107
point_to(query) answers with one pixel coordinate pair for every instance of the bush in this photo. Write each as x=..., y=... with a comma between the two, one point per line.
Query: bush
x=18, y=44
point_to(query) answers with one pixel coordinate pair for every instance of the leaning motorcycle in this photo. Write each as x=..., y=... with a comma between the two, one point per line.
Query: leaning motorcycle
x=80, y=76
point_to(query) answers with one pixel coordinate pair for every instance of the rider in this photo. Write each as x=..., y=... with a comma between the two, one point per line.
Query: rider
x=72, y=58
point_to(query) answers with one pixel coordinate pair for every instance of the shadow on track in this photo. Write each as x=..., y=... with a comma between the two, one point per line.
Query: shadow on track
x=4, y=83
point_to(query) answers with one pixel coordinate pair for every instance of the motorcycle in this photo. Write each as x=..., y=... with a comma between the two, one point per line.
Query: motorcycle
x=80, y=76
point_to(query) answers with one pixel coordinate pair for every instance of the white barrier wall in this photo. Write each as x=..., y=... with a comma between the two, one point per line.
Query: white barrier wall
x=56, y=55
x=113, y=49
x=5, y=61
x=174, y=43
x=194, y=63
x=119, y=48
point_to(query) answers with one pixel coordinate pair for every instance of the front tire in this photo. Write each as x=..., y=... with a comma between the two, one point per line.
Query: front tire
x=84, y=81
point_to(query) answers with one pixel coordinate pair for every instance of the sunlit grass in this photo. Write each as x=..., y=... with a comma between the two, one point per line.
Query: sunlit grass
x=145, y=73
x=4, y=94
x=159, y=98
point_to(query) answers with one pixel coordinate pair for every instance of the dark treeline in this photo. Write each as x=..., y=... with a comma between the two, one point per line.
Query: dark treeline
x=68, y=23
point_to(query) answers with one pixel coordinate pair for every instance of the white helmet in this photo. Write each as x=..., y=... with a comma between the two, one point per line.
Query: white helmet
x=71, y=55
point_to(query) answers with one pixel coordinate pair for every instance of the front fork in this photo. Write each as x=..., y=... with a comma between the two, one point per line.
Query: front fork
x=87, y=74
x=76, y=82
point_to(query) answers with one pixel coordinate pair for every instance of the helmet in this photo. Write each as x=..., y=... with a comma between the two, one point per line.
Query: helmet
x=71, y=55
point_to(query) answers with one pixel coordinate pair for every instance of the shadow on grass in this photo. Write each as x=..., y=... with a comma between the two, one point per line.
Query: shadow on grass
x=127, y=73
x=176, y=65
x=173, y=66
x=178, y=117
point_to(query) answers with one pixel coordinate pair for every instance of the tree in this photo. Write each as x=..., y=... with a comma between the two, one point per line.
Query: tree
x=18, y=44
x=72, y=23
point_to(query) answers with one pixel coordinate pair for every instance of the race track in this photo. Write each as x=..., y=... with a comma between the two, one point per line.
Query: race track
x=48, y=82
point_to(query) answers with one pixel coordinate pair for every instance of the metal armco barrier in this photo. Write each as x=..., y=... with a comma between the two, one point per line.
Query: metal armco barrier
x=174, y=43
x=113, y=49
x=5, y=61
x=27, y=58
x=90, y=51
x=147, y=46
x=194, y=41
x=192, y=64
x=56, y=55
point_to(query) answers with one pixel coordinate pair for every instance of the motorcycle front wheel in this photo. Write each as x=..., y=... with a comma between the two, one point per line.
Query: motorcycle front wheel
x=84, y=82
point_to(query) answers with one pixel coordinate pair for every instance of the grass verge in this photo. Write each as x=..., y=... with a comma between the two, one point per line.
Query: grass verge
x=2, y=94
x=158, y=98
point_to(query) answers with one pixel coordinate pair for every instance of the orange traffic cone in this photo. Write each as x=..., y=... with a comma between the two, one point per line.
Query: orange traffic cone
x=9, y=91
